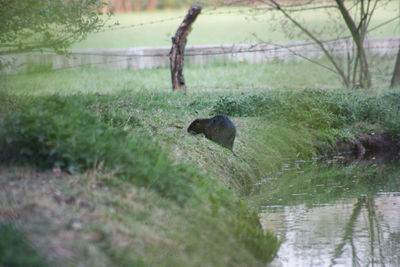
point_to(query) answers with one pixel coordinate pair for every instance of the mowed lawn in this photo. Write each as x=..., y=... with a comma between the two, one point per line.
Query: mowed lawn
x=222, y=26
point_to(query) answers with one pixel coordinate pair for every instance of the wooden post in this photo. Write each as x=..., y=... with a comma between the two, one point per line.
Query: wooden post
x=178, y=48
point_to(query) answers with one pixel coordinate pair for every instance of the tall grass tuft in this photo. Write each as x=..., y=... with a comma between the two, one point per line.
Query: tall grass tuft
x=317, y=109
x=15, y=249
x=56, y=132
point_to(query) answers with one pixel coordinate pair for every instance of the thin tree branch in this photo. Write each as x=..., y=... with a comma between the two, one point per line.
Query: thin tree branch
x=310, y=8
x=371, y=13
x=302, y=56
x=315, y=39
x=365, y=77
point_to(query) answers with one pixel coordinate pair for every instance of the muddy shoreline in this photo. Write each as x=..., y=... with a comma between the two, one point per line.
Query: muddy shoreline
x=366, y=144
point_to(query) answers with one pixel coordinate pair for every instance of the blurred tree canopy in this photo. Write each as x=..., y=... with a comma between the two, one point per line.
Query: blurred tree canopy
x=37, y=25
x=136, y=5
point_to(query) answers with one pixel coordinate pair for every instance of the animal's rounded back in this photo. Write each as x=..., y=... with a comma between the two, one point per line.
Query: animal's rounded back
x=219, y=129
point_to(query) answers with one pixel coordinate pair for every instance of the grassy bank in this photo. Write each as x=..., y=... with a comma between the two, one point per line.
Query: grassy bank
x=103, y=172
x=122, y=177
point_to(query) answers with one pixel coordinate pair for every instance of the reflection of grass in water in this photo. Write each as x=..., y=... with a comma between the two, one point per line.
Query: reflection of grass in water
x=323, y=183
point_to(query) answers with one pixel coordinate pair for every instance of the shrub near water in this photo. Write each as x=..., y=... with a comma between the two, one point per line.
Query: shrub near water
x=58, y=133
x=317, y=109
x=52, y=138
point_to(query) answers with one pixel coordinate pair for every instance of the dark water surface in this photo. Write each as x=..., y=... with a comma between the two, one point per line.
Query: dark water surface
x=330, y=213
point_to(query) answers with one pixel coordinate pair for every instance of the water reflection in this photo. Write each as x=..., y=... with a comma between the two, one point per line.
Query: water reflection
x=341, y=215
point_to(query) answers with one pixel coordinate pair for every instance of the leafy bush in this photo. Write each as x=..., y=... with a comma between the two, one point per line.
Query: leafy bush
x=59, y=133
x=246, y=105
x=53, y=138
x=232, y=106
x=315, y=108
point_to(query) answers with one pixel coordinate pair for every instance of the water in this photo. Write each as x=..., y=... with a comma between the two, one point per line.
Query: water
x=334, y=214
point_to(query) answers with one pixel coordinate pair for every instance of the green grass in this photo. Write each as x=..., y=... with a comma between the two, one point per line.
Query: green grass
x=221, y=26
x=194, y=206
x=89, y=132
x=215, y=77
x=41, y=134
x=15, y=250
x=144, y=190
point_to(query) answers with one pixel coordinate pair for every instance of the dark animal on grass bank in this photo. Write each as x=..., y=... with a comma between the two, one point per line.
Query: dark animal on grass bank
x=219, y=129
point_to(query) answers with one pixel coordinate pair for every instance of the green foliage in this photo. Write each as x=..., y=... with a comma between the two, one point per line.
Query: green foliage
x=247, y=105
x=125, y=257
x=30, y=25
x=392, y=126
x=57, y=135
x=125, y=123
x=391, y=106
x=15, y=249
x=317, y=109
x=118, y=119
x=55, y=132
x=329, y=137
x=143, y=163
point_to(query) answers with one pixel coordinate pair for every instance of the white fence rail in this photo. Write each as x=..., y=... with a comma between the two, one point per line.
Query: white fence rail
x=153, y=57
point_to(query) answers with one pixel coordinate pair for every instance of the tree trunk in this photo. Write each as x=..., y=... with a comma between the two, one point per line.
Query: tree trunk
x=127, y=6
x=365, y=76
x=152, y=4
x=176, y=55
x=396, y=73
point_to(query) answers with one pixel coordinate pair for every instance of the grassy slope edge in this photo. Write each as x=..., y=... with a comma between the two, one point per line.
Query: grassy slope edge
x=118, y=213
x=129, y=193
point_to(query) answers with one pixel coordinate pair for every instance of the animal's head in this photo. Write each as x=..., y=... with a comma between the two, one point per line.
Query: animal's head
x=195, y=127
